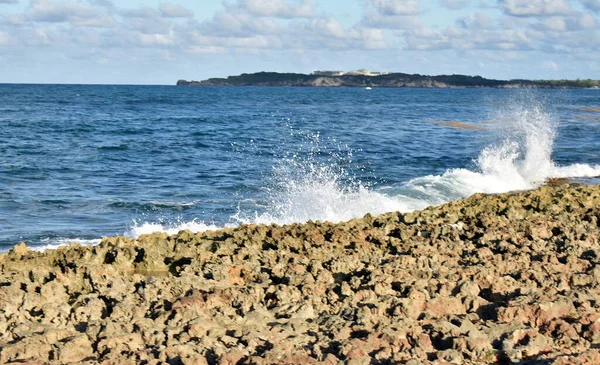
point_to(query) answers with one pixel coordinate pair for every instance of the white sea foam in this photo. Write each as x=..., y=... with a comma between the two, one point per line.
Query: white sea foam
x=314, y=191
x=304, y=187
x=52, y=244
x=138, y=229
x=521, y=160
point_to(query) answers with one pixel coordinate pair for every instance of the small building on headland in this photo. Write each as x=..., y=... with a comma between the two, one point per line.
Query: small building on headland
x=361, y=72
x=365, y=72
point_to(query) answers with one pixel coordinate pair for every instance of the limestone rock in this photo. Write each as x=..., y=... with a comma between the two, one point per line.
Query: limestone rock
x=491, y=278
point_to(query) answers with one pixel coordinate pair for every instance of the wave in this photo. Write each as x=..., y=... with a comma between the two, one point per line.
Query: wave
x=138, y=229
x=54, y=243
x=121, y=147
x=303, y=187
x=153, y=205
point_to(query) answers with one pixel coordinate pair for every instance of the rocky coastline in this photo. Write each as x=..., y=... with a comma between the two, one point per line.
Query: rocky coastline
x=508, y=278
x=387, y=80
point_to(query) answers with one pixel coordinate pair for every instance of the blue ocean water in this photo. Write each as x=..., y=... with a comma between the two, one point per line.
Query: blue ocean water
x=78, y=162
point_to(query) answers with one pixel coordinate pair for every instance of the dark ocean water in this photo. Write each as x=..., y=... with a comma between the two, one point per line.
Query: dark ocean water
x=80, y=162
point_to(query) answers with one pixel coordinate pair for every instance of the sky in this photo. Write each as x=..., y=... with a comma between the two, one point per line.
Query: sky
x=159, y=42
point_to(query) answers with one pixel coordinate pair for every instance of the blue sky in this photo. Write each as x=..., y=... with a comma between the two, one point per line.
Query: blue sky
x=158, y=42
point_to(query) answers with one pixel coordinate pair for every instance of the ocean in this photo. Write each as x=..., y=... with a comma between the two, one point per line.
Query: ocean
x=79, y=162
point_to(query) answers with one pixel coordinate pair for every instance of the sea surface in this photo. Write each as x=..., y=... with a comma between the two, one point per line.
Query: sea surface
x=79, y=162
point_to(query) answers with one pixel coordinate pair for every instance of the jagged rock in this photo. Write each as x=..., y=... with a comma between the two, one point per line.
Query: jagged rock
x=509, y=277
x=75, y=349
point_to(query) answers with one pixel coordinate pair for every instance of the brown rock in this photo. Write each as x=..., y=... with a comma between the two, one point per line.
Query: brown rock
x=524, y=344
x=437, y=286
x=119, y=343
x=443, y=306
x=76, y=349
x=20, y=249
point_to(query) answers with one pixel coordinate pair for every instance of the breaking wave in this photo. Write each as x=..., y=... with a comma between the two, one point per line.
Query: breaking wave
x=304, y=186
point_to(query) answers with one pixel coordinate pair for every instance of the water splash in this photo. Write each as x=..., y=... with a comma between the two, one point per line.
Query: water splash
x=54, y=243
x=312, y=181
x=531, y=132
x=520, y=160
x=310, y=190
x=317, y=181
x=139, y=228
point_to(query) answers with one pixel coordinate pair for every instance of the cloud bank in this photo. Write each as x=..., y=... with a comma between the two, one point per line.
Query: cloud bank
x=506, y=38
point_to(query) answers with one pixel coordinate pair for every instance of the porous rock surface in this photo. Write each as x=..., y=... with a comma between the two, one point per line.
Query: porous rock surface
x=510, y=278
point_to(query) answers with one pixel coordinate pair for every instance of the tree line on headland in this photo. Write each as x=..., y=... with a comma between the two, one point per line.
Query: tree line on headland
x=385, y=80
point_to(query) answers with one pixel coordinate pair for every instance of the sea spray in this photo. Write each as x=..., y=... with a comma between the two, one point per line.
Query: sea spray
x=530, y=128
x=313, y=180
x=54, y=243
x=196, y=155
x=520, y=159
x=316, y=180
x=139, y=228
x=311, y=190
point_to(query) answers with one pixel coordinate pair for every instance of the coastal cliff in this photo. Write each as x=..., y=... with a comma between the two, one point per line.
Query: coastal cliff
x=490, y=279
x=383, y=80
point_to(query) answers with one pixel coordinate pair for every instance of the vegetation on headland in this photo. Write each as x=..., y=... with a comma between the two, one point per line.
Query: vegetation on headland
x=385, y=80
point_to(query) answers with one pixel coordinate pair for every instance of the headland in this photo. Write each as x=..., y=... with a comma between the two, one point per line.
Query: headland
x=507, y=278
x=366, y=78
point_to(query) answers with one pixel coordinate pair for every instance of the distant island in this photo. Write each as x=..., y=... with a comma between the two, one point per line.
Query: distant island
x=366, y=78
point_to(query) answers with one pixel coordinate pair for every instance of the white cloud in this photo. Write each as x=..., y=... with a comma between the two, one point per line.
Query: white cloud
x=329, y=34
x=15, y=20
x=391, y=22
x=147, y=21
x=394, y=7
x=76, y=13
x=148, y=25
x=4, y=39
x=586, y=21
x=199, y=42
x=514, y=22
x=208, y=50
x=427, y=39
x=575, y=22
x=511, y=31
x=549, y=65
x=37, y=37
x=102, y=3
x=391, y=14
x=486, y=4
x=476, y=20
x=277, y=8
x=328, y=28
x=372, y=38
x=57, y=12
x=143, y=12
x=159, y=40
x=557, y=24
x=593, y=5
x=468, y=39
x=102, y=21
x=235, y=23
x=455, y=4
x=536, y=7
x=171, y=10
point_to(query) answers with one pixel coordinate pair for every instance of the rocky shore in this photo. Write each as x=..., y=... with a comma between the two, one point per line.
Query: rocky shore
x=392, y=80
x=510, y=278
